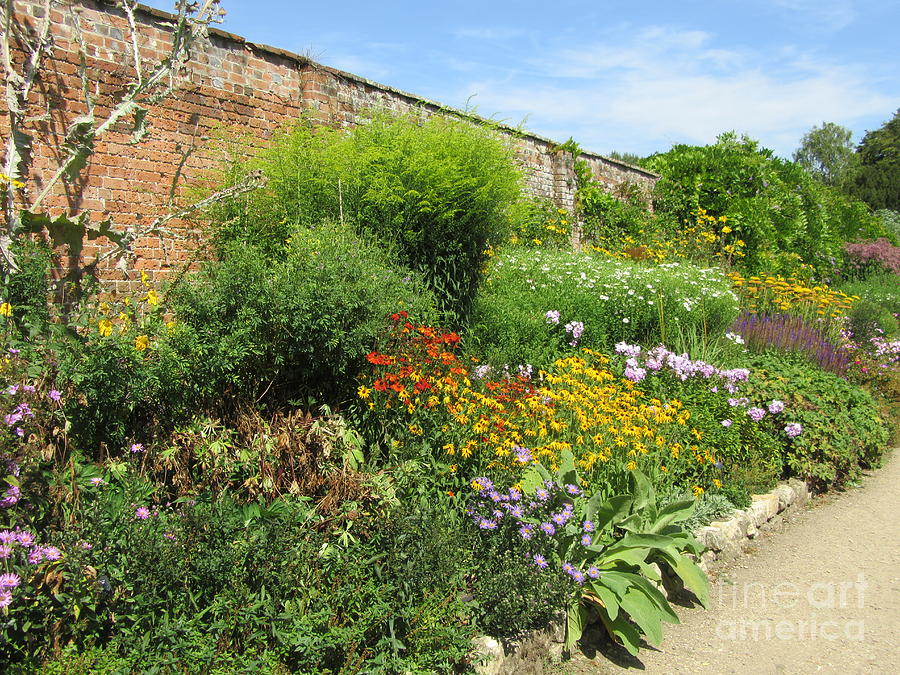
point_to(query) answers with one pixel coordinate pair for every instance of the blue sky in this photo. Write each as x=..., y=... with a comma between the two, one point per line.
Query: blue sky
x=633, y=76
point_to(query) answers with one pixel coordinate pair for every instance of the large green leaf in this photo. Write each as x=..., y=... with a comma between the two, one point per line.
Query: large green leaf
x=675, y=512
x=608, y=598
x=612, y=511
x=576, y=621
x=695, y=580
x=567, y=474
x=533, y=478
x=644, y=613
x=621, y=628
x=644, y=493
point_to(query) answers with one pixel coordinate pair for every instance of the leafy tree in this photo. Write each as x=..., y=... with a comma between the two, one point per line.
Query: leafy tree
x=827, y=152
x=878, y=181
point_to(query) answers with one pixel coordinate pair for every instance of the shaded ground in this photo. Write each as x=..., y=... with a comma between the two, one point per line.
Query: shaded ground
x=820, y=594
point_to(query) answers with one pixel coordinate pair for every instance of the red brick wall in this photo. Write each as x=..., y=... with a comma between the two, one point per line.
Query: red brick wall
x=231, y=84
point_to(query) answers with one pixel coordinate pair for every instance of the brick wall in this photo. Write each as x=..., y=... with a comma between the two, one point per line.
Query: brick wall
x=231, y=84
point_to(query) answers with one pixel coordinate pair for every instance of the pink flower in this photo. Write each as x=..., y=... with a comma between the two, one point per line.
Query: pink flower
x=142, y=513
x=5, y=599
x=9, y=580
x=54, y=395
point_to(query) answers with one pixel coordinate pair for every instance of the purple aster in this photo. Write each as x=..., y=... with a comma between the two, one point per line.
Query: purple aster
x=526, y=531
x=86, y=546
x=5, y=599
x=137, y=447
x=28, y=388
x=516, y=512
x=578, y=576
x=588, y=526
x=540, y=561
x=593, y=572
x=25, y=538
x=548, y=529
x=514, y=495
x=483, y=523
x=142, y=513
x=35, y=555
x=494, y=496
x=8, y=537
x=5, y=551
x=756, y=414
x=568, y=568
x=52, y=553
x=586, y=540
x=559, y=518
x=10, y=580
x=13, y=351
x=169, y=536
x=97, y=481
x=12, y=389
x=542, y=494
x=573, y=490
x=552, y=316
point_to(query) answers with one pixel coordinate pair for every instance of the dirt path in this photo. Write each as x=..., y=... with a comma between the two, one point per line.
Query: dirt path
x=819, y=595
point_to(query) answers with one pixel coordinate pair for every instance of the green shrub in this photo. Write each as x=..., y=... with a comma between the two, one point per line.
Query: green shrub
x=299, y=325
x=841, y=426
x=883, y=289
x=774, y=205
x=869, y=319
x=437, y=191
x=614, y=299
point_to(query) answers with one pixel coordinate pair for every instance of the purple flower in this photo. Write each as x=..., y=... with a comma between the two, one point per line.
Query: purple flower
x=54, y=395
x=482, y=371
x=756, y=414
x=548, y=529
x=28, y=388
x=13, y=351
x=568, y=568
x=86, y=546
x=516, y=512
x=776, y=407
x=483, y=523
x=12, y=389
x=578, y=576
x=523, y=455
x=9, y=580
x=588, y=526
x=726, y=423
x=593, y=572
x=586, y=540
x=96, y=481
x=526, y=531
x=552, y=316
x=136, y=448
x=35, y=555
x=8, y=537
x=5, y=551
x=5, y=599
x=52, y=553
x=10, y=497
x=793, y=429
x=559, y=518
x=540, y=561
x=169, y=536
x=142, y=513
x=25, y=538
x=542, y=494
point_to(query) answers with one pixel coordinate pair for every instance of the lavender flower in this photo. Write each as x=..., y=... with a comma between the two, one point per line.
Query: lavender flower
x=137, y=448
x=5, y=551
x=5, y=599
x=756, y=414
x=776, y=407
x=593, y=572
x=552, y=316
x=793, y=429
x=25, y=538
x=542, y=494
x=588, y=526
x=573, y=490
x=726, y=423
x=10, y=580
x=142, y=513
x=586, y=540
x=52, y=553
x=548, y=529
x=54, y=395
x=578, y=576
x=483, y=523
x=526, y=531
x=540, y=561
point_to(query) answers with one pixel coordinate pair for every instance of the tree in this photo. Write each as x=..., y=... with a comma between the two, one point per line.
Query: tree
x=827, y=152
x=878, y=180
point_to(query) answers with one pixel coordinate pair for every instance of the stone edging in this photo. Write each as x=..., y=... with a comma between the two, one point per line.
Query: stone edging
x=723, y=540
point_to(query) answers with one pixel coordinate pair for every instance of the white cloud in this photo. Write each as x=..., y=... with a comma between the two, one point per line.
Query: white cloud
x=660, y=86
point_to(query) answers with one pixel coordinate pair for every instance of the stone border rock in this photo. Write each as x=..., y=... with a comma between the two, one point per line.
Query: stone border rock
x=724, y=541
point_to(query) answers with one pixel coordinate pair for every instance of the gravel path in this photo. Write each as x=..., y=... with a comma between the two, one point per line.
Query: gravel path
x=820, y=594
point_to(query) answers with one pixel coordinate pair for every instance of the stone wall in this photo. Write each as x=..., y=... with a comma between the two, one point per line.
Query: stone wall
x=232, y=84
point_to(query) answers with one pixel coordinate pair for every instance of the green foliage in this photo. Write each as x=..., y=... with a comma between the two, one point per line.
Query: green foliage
x=292, y=326
x=883, y=289
x=842, y=427
x=614, y=299
x=827, y=152
x=608, y=544
x=436, y=191
x=709, y=507
x=613, y=216
x=774, y=205
x=868, y=319
x=538, y=222
x=878, y=179
x=891, y=220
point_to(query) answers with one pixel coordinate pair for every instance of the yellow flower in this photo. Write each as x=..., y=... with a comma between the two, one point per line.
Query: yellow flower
x=726, y=230
x=105, y=327
x=363, y=392
x=698, y=491
x=144, y=278
x=170, y=325
x=6, y=309
x=141, y=342
x=152, y=297
x=15, y=183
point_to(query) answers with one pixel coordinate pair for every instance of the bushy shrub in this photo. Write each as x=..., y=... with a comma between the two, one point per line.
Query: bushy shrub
x=869, y=258
x=612, y=299
x=296, y=326
x=783, y=215
x=883, y=289
x=870, y=319
x=437, y=191
x=840, y=426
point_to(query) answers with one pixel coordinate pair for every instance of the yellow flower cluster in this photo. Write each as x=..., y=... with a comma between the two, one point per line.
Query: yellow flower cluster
x=581, y=406
x=707, y=237
x=779, y=294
